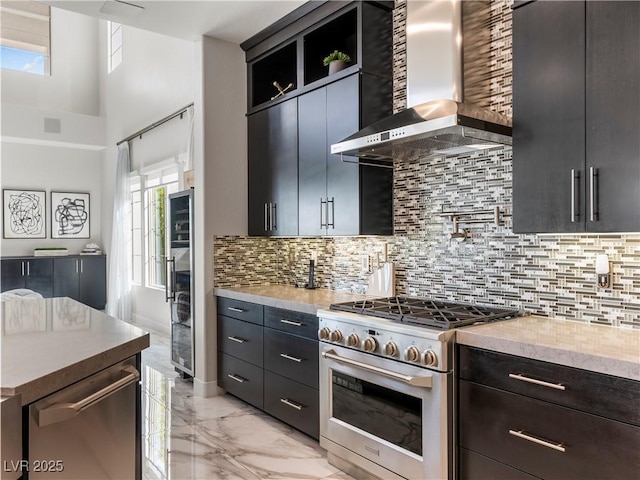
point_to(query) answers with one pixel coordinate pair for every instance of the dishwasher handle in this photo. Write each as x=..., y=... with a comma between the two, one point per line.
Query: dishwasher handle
x=61, y=412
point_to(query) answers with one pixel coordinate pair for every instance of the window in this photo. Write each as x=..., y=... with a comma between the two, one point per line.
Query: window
x=149, y=203
x=114, y=42
x=137, y=233
x=25, y=36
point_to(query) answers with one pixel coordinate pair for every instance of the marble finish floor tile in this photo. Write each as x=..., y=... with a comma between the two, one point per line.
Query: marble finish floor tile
x=186, y=437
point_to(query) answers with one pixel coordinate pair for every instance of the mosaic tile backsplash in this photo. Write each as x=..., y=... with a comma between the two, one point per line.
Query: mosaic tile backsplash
x=552, y=275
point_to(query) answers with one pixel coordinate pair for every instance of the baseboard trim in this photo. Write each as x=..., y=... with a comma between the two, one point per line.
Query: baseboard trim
x=206, y=389
x=147, y=323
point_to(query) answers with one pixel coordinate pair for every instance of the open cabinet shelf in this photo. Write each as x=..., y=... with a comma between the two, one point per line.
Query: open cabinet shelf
x=339, y=34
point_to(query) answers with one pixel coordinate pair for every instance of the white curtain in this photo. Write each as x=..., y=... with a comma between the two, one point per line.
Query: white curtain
x=119, y=292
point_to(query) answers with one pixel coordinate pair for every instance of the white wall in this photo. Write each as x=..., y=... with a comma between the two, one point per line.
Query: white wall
x=220, y=185
x=73, y=84
x=156, y=78
x=65, y=161
x=52, y=169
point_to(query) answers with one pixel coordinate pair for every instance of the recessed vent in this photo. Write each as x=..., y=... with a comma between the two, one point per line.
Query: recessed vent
x=52, y=125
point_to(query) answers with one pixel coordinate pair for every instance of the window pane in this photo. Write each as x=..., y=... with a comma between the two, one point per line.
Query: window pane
x=156, y=236
x=23, y=60
x=24, y=36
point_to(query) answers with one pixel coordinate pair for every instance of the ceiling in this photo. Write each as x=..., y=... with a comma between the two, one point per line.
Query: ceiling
x=233, y=21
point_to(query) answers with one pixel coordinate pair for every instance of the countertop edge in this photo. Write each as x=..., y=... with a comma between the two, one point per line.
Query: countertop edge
x=268, y=301
x=288, y=297
x=54, y=381
x=584, y=361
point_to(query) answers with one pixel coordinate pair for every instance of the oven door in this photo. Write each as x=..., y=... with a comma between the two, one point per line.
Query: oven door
x=394, y=416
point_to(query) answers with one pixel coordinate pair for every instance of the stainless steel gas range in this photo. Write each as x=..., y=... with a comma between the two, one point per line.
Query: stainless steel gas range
x=386, y=384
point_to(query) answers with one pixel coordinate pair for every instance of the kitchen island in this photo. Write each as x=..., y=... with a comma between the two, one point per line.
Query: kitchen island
x=70, y=364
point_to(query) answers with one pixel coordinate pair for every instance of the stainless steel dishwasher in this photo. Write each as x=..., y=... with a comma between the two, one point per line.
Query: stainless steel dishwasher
x=88, y=430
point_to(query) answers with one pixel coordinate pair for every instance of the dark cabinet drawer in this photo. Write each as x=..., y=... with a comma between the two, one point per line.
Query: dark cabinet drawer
x=241, y=339
x=474, y=466
x=292, y=402
x=509, y=428
x=249, y=312
x=292, y=357
x=297, y=323
x=240, y=379
x=611, y=397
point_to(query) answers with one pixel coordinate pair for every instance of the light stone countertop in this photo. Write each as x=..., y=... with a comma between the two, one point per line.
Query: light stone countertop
x=599, y=348
x=288, y=297
x=48, y=344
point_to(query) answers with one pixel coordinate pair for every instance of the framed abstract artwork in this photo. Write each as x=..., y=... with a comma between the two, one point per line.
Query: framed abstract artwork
x=24, y=214
x=70, y=215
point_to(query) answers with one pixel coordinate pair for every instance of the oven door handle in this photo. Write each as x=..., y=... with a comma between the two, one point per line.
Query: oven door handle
x=421, y=381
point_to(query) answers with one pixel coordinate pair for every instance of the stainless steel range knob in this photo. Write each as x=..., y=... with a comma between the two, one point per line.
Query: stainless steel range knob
x=370, y=344
x=430, y=358
x=336, y=336
x=323, y=334
x=353, y=340
x=412, y=354
x=391, y=349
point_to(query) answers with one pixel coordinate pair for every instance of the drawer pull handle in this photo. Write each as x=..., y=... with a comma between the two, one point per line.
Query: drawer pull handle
x=291, y=404
x=289, y=357
x=557, y=386
x=289, y=322
x=236, y=378
x=544, y=443
x=237, y=339
x=234, y=309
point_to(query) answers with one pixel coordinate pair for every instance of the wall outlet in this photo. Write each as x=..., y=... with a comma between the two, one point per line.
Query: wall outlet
x=365, y=263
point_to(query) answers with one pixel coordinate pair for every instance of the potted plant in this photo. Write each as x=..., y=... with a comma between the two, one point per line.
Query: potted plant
x=336, y=61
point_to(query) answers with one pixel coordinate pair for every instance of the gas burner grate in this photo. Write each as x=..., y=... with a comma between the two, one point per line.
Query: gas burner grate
x=426, y=312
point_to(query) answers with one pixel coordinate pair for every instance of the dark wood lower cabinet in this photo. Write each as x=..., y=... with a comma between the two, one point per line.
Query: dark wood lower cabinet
x=474, y=466
x=268, y=357
x=80, y=277
x=240, y=379
x=292, y=402
x=509, y=428
x=32, y=273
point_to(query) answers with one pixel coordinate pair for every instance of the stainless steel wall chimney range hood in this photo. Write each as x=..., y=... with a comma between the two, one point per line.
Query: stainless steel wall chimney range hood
x=448, y=89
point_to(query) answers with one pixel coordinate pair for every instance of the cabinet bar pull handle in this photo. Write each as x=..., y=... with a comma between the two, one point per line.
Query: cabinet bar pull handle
x=289, y=322
x=544, y=443
x=333, y=213
x=266, y=217
x=236, y=378
x=593, y=178
x=289, y=357
x=28, y=268
x=575, y=177
x=237, y=339
x=274, y=218
x=322, y=224
x=76, y=266
x=291, y=404
x=519, y=376
x=234, y=309
x=81, y=266
x=22, y=264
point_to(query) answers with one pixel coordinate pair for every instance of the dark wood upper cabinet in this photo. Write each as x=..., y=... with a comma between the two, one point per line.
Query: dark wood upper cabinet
x=576, y=91
x=273, y=170
x=290, y=135
x=613, y=116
